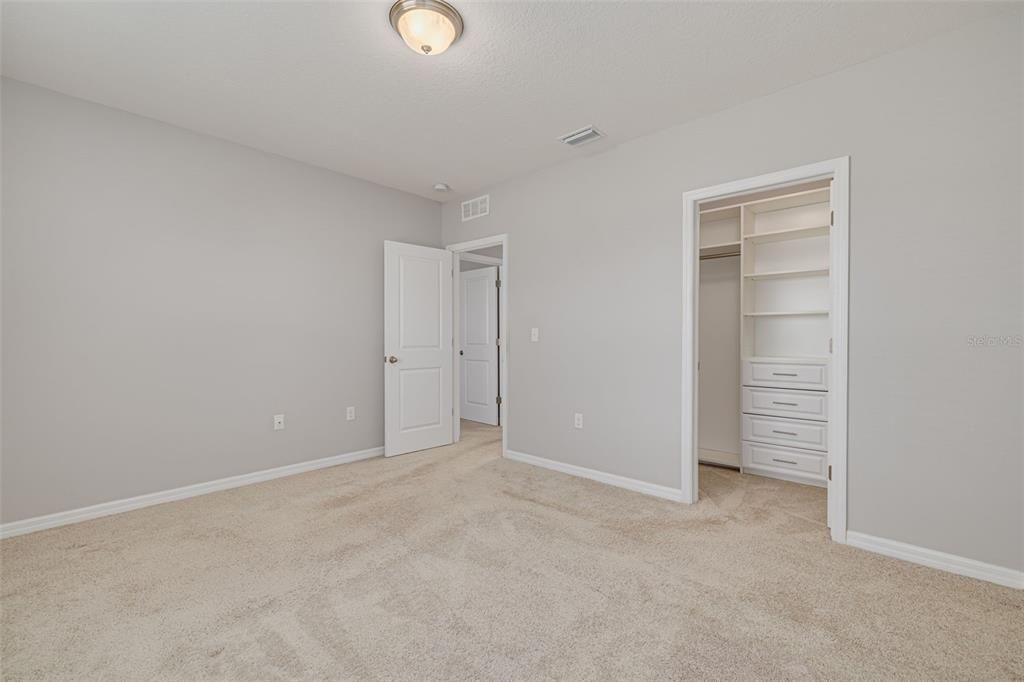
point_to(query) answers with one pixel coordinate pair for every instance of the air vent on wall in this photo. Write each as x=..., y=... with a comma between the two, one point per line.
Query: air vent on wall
x=476, y=208
x=581, y=136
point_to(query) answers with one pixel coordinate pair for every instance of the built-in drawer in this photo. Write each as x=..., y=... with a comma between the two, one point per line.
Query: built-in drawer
x=809, y=376
x=779, y=431
x=783, y=403
x=772, y=459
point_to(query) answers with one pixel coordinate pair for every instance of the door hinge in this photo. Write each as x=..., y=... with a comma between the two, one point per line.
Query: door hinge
x=497, y=283
x=830, y=472
x=830, y=344
x=497, y=341
x=831, y=217
x=498, y=400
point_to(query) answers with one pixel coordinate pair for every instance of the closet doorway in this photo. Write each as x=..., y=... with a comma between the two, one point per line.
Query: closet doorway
x=765, y=330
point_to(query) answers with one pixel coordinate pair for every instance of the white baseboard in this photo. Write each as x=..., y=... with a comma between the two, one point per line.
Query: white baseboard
x=952, y=563
x=633, y=484
x=117, y=506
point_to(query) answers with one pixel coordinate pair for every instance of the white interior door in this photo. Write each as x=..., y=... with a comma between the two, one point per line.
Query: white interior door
x=478, y=352
x=417, y=348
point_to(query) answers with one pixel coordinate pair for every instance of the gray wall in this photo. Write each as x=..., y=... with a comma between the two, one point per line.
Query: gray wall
x=719, y=344
x=490, y=251
x=166, y=293
x=934, y=132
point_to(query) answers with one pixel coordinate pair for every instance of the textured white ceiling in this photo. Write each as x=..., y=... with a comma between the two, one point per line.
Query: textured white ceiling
x=331, y=84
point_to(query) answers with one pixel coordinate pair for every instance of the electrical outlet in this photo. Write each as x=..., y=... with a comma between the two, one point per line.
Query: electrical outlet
x=534, y=334
x=350, y=414
x=577, y=420
x=279, y=422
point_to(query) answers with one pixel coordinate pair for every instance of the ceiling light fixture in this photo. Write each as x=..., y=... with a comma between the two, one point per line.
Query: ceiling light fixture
x=427, y=26
x=442, y=187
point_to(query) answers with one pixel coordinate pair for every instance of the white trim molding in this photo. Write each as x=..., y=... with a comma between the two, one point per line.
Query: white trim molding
x=633, y=484
x=932, y=558
x=96, y=511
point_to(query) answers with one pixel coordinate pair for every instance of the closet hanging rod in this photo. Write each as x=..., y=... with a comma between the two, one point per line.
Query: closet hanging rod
x=720, y=255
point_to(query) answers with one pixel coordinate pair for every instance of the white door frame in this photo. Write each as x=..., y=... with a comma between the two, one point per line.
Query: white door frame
x=457, y=251
x=839, y=171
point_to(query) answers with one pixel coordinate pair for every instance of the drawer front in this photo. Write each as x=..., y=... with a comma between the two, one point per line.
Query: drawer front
x=774, y=458
x=807, y=376
x=782, y=403
x=779, y=431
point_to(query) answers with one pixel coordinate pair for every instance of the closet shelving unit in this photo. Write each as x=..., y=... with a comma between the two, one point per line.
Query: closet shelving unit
x=720, y=234
x=782, y=240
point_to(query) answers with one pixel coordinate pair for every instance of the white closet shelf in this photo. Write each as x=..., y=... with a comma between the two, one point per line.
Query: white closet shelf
x=720, y=249
x=782, y=274
x=722, y=213
x=787, y=313
x=797, y=359
x=805, y=193
x=792, y=233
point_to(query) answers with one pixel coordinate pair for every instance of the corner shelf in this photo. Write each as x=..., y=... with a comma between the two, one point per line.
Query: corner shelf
x=783, y=235
x=782, y=274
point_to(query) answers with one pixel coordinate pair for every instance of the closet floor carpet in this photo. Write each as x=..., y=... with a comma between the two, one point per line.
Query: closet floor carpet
x=457, y=564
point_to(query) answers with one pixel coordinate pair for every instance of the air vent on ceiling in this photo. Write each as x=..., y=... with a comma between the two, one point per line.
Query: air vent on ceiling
x=581, y=136
x=476, y=208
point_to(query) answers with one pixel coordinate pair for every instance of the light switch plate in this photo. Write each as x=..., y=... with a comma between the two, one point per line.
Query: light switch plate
x=278, y=422
x=534, y=334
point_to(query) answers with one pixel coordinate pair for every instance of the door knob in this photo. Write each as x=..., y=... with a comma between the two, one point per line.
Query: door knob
x=392, y=359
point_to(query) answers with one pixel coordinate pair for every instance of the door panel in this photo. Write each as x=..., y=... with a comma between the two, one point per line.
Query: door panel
x=477, y=383
x=479, y=345
x=417, y=348
x=420, y=301
x=421, y=393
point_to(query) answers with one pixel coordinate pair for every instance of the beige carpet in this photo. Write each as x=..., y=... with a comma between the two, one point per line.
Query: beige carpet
x=456, y=564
